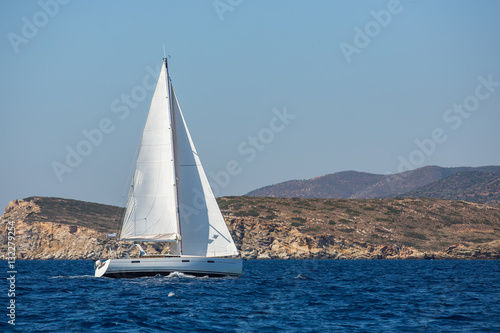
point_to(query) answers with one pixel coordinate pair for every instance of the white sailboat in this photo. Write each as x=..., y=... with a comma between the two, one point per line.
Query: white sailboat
x=170, y=200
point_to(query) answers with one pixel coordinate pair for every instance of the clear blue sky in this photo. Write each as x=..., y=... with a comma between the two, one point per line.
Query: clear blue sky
x=363, y=79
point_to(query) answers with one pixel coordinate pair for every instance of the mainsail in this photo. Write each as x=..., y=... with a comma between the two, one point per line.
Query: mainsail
x=170, y=199
x=151, y=207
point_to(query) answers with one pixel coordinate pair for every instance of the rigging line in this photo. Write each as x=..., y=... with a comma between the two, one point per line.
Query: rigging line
x=154, y=224
x=220, y=233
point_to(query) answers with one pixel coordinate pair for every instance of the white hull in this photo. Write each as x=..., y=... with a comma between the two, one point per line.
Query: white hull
x=144, y=266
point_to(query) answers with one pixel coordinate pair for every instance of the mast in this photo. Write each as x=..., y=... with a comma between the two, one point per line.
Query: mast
x=172, y=133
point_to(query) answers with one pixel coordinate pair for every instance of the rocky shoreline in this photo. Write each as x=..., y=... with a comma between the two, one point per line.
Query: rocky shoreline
x=255, y=238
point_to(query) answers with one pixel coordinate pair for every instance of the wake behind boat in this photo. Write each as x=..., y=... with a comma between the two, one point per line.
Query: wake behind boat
x=170, y=201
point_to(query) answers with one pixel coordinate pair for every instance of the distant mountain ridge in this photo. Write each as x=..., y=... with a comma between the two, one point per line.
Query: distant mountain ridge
x=473, y=186
x=362, y=185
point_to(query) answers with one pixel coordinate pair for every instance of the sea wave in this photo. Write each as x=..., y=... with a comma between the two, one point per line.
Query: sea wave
x=274, y=295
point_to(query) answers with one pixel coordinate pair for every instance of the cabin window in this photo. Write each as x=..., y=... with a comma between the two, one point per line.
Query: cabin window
x=210, y=261
x=136, y=261
x=185, y=261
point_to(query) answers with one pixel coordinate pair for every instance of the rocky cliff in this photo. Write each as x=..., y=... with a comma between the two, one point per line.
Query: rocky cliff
x=53, y=228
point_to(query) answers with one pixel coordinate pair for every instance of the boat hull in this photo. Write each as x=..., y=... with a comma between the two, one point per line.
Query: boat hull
x=197, y=266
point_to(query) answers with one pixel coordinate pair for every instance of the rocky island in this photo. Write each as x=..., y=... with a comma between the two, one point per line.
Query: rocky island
x=274, y=228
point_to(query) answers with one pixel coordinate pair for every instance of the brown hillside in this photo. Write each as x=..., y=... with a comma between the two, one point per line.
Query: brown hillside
x=427, y=225
x=473, y=186
x=53, y=228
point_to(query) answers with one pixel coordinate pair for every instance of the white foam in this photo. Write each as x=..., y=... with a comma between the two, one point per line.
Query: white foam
x=180, y=275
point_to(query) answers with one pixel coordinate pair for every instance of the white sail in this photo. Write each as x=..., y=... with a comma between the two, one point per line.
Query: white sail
x=170, y=198
x=203, y=229
x=151, y=212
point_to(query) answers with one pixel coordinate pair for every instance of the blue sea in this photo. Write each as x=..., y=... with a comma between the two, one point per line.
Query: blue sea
x=271, y=296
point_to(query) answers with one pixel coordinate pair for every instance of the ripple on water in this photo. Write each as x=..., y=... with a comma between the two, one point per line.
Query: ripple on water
x=272, y=295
